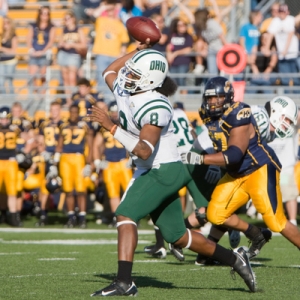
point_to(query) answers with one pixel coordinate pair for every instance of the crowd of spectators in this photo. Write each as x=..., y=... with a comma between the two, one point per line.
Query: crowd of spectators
x=190, y=41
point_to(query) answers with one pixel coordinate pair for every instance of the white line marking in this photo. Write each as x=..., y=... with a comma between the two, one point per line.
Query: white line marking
x=68, y=231
x=56, y=258
x=67, y=242
x=150, y=261
x=16, y=253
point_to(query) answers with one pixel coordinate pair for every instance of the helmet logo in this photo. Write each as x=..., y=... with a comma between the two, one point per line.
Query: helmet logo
x=244, y=113
x=282, y=102
x=157, y=65
x=227, y=86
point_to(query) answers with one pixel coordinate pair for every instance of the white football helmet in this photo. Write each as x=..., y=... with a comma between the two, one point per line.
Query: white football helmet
x=283, y=114
x=146, y=70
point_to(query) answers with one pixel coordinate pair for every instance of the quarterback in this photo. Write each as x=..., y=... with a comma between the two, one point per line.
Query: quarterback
x=141, y=87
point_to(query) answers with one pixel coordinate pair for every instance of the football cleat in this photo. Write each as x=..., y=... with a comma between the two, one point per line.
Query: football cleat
x=42, y=221
x=156, y=251
x=117, y=288
x=243, y=268
x=177, y=252
x=82, y=224
x=202, y=260
x=259, y=241
x=71, y=223
x=234, y=238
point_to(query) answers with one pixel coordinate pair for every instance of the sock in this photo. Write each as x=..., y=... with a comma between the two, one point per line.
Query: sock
x=81, y=216
x=224, y=256
x=71, y=214
x=159, y=238
x=211, y=238
x=187, y=223
x=252, y=232
x=124, y=271
x=294, y=222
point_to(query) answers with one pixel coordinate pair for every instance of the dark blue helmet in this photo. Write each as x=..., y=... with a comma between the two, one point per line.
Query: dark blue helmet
x=218, y=87
x=113, y=106
x=53, y=185
x=4, y=112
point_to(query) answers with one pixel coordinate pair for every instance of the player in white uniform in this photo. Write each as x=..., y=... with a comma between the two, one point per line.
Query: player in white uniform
x=141, y=88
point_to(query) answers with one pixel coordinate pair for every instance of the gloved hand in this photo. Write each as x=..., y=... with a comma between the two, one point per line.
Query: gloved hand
x=100, y=164
x=213, y=174
x=20, y=157
x=53, y=172
x=192, y=158
x=87, y=170
x=46, y=155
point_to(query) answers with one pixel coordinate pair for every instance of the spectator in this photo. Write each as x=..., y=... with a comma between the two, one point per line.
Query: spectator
x=111, y=39
x=128, y=10
x=165, y=32
x=40, y=39
x=212, y=33
x=82, y=9
x=264, y=63
x=8, y=59
x=249, y=35
x=151, y=7
x=71, y=44
x=283, y=29
x=274, y=14
x=3, y=8
x=297, y=28
x=180, y=45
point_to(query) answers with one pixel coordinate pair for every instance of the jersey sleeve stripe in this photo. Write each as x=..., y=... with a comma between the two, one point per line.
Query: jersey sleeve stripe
x=152, y=103
x=152, y=108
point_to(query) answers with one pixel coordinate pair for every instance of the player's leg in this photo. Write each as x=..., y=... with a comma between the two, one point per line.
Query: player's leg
x=80, y=188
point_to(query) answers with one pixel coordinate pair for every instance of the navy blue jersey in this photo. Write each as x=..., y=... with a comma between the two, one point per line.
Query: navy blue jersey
x=50, y=130
x=257, y=154
x=86, y=102
x=74, y=136
x=114, y=150
x=8, y=141
x=24, y=124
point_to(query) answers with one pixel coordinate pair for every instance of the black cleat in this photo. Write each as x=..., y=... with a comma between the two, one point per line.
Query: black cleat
x=71, y=223
x=82, y=224
x=42, y=221
x=117, y=288
x=202, y=260
x=259, y=241
x=243, y=268
x=156, y=251
x=177, y=252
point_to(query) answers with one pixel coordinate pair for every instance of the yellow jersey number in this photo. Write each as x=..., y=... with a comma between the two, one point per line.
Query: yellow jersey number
x=49, y=134
x=110, y=141
x=8, y=140
x=73, y=136
x=220, y=136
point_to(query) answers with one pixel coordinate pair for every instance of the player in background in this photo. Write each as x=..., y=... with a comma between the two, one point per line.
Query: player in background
x=84, y=98
x=141, y=88
x=252, y=167
x=75, y=136
x=48, y=132
x=25, y=144
x=9, y=159
x=111, y=157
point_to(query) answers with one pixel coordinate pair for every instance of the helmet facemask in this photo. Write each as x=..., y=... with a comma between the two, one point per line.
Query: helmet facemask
x=284, y=128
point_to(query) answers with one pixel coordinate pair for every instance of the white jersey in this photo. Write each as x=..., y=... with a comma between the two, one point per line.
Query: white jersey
x=203, y=141
x=182, y=131
x=152, y=108
x=286, y=150
x=263, y=122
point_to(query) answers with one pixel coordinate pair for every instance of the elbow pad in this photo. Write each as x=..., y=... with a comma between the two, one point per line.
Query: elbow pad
x=233, y=155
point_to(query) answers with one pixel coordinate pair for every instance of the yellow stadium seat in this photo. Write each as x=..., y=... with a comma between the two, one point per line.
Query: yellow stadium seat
x=20, y=86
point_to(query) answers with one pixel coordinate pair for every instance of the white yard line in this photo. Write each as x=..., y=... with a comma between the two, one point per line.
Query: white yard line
x=57, y=258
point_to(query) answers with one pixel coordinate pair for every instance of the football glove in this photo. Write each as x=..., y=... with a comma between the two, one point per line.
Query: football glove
x=20, y=157
x=53, y=172
x=202, y=219
x=192, y=158
x=213, y=174
x=87, y=170
x=100, y=164
x=46, y=155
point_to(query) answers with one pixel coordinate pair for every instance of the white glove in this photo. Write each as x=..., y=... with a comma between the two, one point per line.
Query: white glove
x=53, y=172
x=192, y=158
x=46, y=155
x=20, y=157
x=100, y=164
x=129, y=163
x=213, y=174
x=87, y=170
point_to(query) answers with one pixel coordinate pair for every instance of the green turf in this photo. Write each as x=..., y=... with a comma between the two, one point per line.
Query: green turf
x=41, y=271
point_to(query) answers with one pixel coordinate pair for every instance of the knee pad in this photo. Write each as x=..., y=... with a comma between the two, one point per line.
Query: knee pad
x=190, y=240
x=125, y=222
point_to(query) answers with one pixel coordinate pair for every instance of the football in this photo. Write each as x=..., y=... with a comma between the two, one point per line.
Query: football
x=141, y=28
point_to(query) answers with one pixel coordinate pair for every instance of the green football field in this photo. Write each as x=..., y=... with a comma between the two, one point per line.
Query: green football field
x=56, y=263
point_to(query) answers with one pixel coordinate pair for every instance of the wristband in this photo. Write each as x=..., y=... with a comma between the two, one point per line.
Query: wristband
x=113, y=129
x=128, y=140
